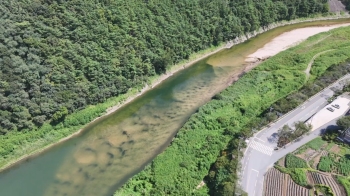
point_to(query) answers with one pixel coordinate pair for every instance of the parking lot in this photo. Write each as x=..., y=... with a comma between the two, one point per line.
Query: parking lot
x=324, y=115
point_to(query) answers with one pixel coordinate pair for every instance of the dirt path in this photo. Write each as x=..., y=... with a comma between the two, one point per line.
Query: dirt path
x=307, y=71
x=200, y=185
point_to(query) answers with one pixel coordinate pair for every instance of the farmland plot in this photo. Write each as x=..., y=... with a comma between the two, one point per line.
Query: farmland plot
x=294, y=189
x=321, y=178
x=274, y=181
x=319, y=164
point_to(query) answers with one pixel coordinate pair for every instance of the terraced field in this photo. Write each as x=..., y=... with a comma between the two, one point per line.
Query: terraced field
x=326, y=179
x=294, y=189
x=274, y=182
x=278, y=181
x=280, y=184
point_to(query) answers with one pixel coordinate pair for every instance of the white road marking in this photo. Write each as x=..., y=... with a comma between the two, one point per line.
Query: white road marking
x=255, y=180
x=261, y=147
x=259, y=139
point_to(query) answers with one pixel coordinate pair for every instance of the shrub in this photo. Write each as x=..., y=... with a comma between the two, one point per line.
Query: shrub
x=316, y=144
x=295, y=162
x=326, y=190
x=299, y=176
x=344, y=166
x=325, y=164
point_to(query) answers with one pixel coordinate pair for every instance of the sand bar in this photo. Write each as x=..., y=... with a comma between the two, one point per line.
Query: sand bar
x=287, y=40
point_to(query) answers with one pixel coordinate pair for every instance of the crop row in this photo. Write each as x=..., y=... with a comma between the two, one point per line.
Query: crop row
x=294, y=189
x=273, y=183
x=319, y=178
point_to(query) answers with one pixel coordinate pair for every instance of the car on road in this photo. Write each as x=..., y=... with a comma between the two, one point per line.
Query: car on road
x=330, y=109
x=336, y=106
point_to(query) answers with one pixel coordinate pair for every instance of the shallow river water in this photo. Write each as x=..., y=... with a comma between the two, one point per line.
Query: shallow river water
x=115, y=147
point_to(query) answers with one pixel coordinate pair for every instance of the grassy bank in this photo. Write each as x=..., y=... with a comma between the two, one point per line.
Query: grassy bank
x=214, y=130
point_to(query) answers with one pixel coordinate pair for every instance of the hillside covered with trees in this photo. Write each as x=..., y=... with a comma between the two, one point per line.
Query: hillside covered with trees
x=58, y=56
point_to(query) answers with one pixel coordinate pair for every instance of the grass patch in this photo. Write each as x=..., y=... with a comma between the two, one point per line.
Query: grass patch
x=329, y=146
x=344, y=150
x=316, y=144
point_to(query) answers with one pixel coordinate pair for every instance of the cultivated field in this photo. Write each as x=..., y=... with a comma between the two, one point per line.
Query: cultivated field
x=274, y=182
x=317, y=168
x=326, y=179
x=280, y=184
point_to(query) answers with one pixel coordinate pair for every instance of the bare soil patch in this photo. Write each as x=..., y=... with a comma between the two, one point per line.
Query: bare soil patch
x=335, y=149
x=281, y=162
x=316, y=160
x=306, y=154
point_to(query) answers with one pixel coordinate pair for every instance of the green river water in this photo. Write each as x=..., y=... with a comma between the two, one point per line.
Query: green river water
x=116, y=147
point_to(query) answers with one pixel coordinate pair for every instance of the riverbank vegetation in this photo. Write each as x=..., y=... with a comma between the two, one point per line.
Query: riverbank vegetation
x=218, y=129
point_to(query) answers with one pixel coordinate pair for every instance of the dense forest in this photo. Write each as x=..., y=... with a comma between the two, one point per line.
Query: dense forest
x=59, y=56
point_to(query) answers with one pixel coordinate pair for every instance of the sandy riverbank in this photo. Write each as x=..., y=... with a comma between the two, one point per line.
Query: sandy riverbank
x=287, y=40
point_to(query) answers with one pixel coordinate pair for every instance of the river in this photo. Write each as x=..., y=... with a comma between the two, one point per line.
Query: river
x=114, y=148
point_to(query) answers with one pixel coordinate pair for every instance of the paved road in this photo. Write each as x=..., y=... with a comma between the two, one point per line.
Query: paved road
x=260, y=154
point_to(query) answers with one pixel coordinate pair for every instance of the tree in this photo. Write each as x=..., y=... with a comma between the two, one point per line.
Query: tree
x=344, y=122
x=284, y=135
x=285, y=131
x=301, y=128
x=227, y=189
x=60, y=114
